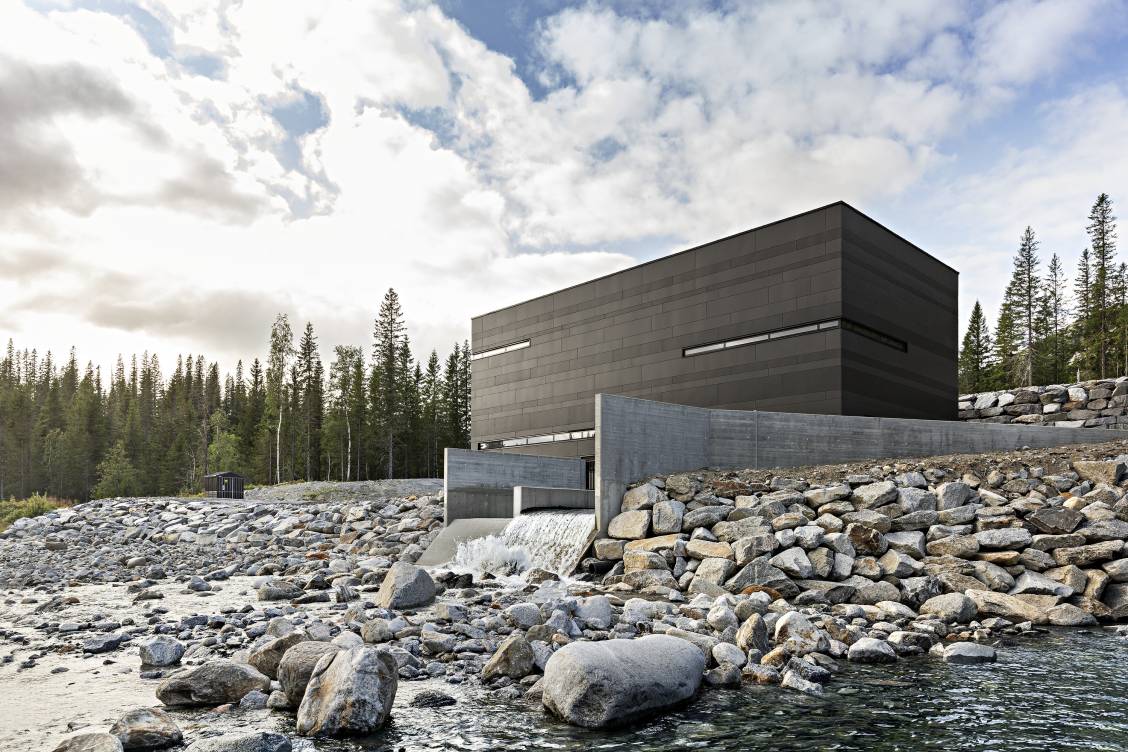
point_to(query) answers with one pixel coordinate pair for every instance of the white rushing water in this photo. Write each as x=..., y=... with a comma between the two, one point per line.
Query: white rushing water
x=549, y=540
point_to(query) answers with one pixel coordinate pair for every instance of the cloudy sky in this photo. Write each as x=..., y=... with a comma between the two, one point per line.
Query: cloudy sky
x=173, y=174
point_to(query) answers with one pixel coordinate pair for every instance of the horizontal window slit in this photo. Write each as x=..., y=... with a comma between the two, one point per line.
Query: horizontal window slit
x=794, y=331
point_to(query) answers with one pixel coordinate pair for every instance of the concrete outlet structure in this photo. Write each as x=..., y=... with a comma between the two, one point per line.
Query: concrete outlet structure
x=817, y=339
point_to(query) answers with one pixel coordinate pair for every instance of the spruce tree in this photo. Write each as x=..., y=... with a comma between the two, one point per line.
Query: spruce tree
x=1054, y=318
x=975, y=354
x=1102, y=239
x=388, y=336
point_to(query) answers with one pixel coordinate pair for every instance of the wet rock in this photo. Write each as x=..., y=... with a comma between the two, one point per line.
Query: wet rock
x=432, y=698
x=146, y=728
x=597, y=684
x=870, y=650
x=523, y=615
x=799, y=634
x=349, y=694
x=792, y=680
x=238, y=742
x=514, y=658
x=989, y=603
x=160, y=651
x=254, y=700
x=213, y=683
x=954, y=608
x=406, y=586
x=753, y=635
x=268, y=655
x=90, y=743
x=297, y=665
x=969, y=652
x=1068, y=615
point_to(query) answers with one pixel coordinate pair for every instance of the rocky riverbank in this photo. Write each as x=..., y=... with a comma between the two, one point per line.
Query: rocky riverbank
x=302, y=616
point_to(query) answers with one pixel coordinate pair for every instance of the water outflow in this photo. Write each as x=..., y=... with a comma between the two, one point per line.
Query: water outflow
x=553, y=540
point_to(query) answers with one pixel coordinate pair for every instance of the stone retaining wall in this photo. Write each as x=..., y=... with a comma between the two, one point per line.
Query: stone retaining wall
x=1089, y=404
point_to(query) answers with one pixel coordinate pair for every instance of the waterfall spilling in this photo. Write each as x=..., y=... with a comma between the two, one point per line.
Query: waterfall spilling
x=552, y=540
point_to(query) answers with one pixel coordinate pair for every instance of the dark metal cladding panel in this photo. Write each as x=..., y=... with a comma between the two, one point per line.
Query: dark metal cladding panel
x=892, y=286
x=624, y=333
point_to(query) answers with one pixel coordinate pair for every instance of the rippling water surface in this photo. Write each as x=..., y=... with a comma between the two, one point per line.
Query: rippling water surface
x=1065, y=691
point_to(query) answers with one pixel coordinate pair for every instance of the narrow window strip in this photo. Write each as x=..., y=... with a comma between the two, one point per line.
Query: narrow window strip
x=794, y=331
x=500, y=350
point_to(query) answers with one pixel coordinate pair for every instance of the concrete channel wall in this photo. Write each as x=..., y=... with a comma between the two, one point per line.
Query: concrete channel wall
x=480, y=484
x=637, y=438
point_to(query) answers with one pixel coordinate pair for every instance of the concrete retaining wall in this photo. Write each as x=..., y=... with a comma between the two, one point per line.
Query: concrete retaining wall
x=532, y=498
x=480, y=484
x=638, y=438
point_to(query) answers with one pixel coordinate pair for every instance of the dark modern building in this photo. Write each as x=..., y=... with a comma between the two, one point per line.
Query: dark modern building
x=824, y=312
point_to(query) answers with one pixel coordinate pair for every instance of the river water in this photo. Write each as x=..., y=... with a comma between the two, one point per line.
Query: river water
x=1066, y=690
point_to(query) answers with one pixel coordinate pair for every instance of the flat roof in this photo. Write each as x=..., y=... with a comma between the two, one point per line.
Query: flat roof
x=719, y=240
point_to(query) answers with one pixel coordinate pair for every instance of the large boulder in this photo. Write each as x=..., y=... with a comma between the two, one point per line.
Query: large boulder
x=406, y=586
x=160, y=651
x=969, y=652
x=796, y=631
x=212, y=683
x=989, y=603
x=260, y=741
x=954, y=608
x=90, y=743
x=1096, y=471
x=268, y=655
x=1055, y=520
x=350, y=693
x=1004, y=538
x=1032, y=583
x=146, y=728
x=641, y=497
x=514, y=658
x=871, y=650
x=279, y=590
x=297, y=665
x=632, y=525
x=596, y=684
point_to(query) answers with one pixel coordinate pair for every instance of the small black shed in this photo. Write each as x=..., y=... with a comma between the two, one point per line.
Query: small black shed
x=224, y=485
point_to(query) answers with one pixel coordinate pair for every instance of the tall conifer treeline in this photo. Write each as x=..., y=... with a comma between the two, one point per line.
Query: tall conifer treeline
x=69, y=432
x=1043, y=337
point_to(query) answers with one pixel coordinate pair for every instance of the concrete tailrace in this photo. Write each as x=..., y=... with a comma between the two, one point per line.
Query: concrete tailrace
x=442, y=549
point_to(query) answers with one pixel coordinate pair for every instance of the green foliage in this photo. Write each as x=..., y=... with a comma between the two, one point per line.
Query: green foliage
x=65, y=432
x=116, y=475
x=12, y=510
x=1038, y=339
x=975, y=363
